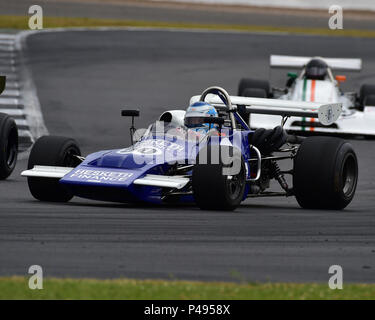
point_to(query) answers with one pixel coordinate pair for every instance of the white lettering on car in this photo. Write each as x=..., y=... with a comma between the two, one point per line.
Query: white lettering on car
x=155, y=145
x=100, y=176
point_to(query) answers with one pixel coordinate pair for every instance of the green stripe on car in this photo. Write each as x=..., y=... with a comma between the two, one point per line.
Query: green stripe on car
x=304, y=99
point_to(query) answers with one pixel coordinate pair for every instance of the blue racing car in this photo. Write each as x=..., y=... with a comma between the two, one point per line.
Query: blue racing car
x=206, y=155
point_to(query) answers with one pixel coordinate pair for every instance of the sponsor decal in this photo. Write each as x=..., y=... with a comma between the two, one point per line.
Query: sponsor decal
x=329, y=114
x=100, y=176
x=153, y=147
x=147, y=151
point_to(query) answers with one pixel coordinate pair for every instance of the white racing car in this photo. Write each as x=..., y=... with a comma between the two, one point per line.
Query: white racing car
x=315, y=83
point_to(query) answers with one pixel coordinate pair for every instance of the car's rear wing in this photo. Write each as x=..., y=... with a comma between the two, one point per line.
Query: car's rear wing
x=327, y=113
x=345, y=64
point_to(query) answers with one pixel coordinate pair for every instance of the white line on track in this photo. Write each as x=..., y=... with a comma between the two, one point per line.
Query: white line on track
x=12, y=99
x=10, y=93
x=10, y=107
x=29, y=98
x=5, y=36
x=9, y=101
x=12, y=85
x=24, y=133
x=7, y=42
x=13, y=112
x=21, y=122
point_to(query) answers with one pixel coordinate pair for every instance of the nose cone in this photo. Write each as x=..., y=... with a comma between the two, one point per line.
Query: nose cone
x=146, y=153
x=123, y=159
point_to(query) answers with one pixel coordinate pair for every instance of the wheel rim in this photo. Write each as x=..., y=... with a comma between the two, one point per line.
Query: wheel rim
x=235, y=184
x=349, y=175
x=11, y=150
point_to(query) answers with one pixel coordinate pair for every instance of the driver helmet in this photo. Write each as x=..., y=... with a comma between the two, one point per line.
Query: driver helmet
x=195, y=114
x=316, y=69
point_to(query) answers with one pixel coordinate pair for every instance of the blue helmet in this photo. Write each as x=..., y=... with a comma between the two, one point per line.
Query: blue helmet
x=195, y=114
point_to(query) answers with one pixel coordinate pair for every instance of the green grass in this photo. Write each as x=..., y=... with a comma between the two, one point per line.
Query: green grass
x=17, y=288
x=21, y=22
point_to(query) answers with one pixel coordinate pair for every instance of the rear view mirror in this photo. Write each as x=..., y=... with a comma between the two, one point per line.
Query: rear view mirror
x=130, y=113
x=2, y=83
x=340, y=78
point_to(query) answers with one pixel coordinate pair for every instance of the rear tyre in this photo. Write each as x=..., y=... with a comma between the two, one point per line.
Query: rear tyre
x=8, y=145
x=52, y=151
x=365, y=91
x=215, y=188
x=369, y=100
x=325, y=173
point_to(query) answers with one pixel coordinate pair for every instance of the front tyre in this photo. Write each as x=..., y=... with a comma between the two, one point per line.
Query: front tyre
x=52, y=151
x=247, y=83
x=219, y=185
x=252, y=88
x=325, y=173
x=254, y=93
x=8, y=145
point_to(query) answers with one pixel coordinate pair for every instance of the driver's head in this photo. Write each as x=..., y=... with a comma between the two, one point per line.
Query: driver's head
x=196, y=114
x=316, y=69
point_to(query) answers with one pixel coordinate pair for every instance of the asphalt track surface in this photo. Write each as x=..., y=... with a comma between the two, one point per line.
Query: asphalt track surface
x=84, y=79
